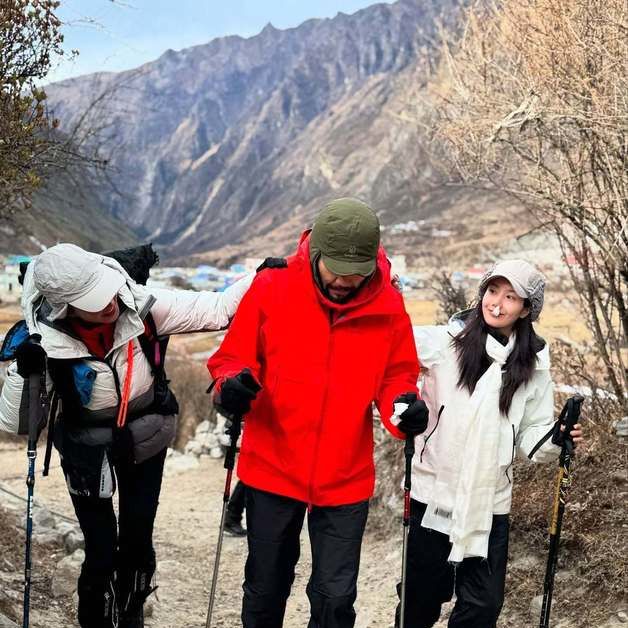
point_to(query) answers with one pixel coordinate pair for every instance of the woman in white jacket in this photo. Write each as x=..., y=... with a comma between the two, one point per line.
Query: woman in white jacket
x=490, y=395
x=103, y=339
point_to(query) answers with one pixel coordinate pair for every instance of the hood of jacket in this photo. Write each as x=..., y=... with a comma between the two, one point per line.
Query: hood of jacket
x=57, y=342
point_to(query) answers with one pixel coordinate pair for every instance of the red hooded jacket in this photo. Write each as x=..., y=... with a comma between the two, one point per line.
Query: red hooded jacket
x=309, y=434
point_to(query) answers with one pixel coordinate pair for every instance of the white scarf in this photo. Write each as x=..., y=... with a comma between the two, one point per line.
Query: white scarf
x=464, y=489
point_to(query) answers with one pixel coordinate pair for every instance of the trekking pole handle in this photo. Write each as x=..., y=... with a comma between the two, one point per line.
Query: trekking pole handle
x=34, y=403
x=34, y=409
x=234, y=433
x=569, y=418
x=408, y=450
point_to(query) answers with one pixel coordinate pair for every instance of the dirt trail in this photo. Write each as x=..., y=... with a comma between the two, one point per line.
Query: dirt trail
x=185, y=539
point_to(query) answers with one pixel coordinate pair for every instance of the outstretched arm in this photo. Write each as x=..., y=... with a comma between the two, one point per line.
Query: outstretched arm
x=180, y=311
x=240, y=346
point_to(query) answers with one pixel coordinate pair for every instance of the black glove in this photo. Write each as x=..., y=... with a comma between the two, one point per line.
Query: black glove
x=236, y=394
x=413, y=420
x=31, y=358
x=561, y=437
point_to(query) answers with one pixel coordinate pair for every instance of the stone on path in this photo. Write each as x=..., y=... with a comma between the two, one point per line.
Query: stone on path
x=66, y=574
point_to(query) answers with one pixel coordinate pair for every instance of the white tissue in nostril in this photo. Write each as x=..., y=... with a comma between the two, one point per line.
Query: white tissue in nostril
x=495, y=311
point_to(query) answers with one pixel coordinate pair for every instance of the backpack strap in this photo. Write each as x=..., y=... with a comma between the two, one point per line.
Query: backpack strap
x=52, y=419
x=153, y=346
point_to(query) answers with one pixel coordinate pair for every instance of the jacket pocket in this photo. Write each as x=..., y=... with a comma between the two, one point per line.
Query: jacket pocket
x=151, y=433
x=85, y=459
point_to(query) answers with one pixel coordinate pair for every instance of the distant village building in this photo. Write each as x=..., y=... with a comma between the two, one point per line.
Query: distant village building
x=10, y=288
x=475, y=272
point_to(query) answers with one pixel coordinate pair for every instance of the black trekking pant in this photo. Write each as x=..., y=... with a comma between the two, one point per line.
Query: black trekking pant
x=274, y=525
x=430, y=579
x=125, y=545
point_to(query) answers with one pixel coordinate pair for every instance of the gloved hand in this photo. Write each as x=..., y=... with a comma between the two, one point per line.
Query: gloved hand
x=413, y=420
x=559, y=437
x=31, y=358
x=236, y=394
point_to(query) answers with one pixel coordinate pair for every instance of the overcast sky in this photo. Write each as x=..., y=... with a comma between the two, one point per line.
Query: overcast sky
x=114, y=35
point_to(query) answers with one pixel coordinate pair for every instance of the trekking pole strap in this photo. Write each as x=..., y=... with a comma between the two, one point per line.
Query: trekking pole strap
x=52, y=417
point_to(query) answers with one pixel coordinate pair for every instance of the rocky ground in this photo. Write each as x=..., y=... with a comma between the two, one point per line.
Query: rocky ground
x=593, y=554
x=185, y=538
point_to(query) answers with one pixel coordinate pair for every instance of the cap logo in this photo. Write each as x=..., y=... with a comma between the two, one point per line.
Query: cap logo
x=352, y=250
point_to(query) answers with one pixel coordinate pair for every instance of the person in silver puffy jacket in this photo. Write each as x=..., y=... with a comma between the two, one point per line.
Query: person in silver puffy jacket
x=103, y=339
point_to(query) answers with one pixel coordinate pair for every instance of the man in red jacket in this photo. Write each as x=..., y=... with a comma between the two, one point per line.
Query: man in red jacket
x=311, y=347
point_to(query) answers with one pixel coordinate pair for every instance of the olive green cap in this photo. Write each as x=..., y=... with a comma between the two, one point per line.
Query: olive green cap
x=346, y=232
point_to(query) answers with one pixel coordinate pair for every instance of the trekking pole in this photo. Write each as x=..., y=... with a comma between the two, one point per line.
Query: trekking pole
x=230, y=454
x=34, y=417
x=569, y=416
x=408, y=451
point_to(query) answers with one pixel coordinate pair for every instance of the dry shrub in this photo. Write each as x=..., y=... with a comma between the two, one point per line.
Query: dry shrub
x=451, y=297
x=532, y=101
x=387, y=503
x=189, y=381
x=593, y=541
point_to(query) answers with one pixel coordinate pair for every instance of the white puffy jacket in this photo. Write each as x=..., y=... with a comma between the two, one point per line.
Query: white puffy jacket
x=174, y=312
x=526, y=432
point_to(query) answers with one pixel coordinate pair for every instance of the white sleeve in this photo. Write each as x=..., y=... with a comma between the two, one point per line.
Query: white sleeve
x=534, y=439
x=429, y=343
x=10, y=400
x=179, y=311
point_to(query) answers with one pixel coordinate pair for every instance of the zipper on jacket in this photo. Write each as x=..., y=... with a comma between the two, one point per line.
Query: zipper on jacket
x=512, y=454
x=430, y=434
x=320, y=425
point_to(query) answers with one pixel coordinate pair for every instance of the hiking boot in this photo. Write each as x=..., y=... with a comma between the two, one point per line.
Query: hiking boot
x=96, y=600
x=134, y=620
x=134, y=586
x=233, y=525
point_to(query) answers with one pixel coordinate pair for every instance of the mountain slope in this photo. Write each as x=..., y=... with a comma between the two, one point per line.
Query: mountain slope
x=224, y=142
x=68, y=208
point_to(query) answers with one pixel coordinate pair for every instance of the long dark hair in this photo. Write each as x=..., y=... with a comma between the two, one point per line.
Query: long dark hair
x=473, y=361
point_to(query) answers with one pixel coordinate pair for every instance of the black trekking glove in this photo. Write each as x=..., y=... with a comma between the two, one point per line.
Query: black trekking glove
x=31, y=358
x=413, y=420
x=560, y=436
x=236, y=394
